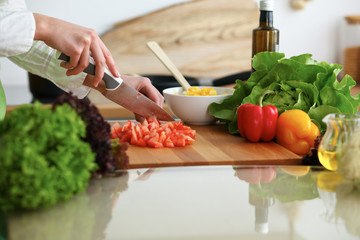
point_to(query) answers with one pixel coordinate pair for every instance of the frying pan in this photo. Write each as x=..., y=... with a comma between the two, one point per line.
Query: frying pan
x=162, y=82
x=42, y=89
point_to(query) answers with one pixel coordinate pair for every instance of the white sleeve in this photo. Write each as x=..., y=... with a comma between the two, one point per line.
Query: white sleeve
x=17, y=28
x=41, y=60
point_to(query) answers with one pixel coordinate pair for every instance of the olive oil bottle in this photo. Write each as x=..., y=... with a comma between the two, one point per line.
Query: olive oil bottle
x=265, y=37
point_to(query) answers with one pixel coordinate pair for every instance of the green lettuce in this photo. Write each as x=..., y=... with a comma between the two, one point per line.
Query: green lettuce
x=44, y=159
x=299, y=82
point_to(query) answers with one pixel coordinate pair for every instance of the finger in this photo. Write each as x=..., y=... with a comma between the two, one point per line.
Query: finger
x=83, y=63
x=65, y=65
x=139, y=118
x=74, y=60
x=151, y=92
x=143, y=85
x=109, y=60
x=99, y=63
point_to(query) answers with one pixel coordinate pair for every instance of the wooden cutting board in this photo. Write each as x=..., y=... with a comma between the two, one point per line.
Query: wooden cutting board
x=204, y=38
x=213, y=146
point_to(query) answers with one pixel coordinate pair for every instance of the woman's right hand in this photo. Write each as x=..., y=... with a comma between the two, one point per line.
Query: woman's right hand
x=77, y=42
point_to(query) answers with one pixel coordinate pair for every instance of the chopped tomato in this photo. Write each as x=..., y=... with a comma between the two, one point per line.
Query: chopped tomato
x=145, y=130
x=153, y=133
x=180, y=141
x=169, y=143
x=134, y=138
x=115, y=130
x=154, y=142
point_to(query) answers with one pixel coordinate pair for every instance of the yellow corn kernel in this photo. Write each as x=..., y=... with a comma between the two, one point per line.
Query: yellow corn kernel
x=212, y=92
x=195, y=91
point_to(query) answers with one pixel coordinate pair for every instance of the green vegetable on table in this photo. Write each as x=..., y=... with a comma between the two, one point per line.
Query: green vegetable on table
x=299, y=82
x=43, y=158
x=49, y=154
x=110, y=154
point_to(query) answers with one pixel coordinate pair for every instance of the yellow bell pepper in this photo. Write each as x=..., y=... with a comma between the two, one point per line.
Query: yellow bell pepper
x=296, y=131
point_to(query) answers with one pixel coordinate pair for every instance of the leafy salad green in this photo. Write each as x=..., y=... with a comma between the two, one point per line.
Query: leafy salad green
x=49, y=154
x=299, y=82
x=43, y=158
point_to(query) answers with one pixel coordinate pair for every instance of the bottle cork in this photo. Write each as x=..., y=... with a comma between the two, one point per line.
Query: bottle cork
x=353, y=19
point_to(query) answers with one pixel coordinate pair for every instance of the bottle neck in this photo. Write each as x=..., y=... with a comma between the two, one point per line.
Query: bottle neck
x=266, y=19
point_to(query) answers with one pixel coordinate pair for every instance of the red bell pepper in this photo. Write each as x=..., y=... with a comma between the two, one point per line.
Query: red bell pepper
x=257, y=122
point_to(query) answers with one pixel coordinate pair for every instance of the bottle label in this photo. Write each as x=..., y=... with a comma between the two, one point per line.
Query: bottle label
x=266, y=5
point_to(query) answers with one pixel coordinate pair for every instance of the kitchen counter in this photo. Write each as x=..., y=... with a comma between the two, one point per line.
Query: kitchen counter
x=207, y=202
x=198, y=202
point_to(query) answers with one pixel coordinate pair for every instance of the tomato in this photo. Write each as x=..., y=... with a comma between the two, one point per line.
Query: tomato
x=169, y=143
x=153, y=133
x=115, y=130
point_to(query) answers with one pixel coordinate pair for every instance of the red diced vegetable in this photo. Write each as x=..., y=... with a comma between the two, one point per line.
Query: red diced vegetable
x=153, y=133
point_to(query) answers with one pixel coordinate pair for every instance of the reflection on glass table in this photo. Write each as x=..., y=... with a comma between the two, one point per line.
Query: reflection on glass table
x=256, y=176
x=209, y=202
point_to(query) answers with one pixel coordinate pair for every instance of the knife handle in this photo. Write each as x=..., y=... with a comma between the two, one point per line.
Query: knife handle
x=110, y=82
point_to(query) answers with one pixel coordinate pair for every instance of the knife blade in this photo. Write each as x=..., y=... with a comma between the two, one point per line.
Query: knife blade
x=126, y=96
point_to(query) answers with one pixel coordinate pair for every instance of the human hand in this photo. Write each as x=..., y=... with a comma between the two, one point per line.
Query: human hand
x=141, y=84
x=77, y=42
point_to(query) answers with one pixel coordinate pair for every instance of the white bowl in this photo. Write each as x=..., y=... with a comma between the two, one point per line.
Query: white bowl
x=194, y=110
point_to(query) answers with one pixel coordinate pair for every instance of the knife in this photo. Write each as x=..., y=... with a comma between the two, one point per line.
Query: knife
x=126, y=96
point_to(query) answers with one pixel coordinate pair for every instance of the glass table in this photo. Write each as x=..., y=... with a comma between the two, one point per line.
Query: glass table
x=207, y=202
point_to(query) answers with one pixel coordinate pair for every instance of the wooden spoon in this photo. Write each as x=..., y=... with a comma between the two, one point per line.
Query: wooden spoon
x=161, y=55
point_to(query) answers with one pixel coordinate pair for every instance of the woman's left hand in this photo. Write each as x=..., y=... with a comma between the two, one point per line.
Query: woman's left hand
x=141, y=84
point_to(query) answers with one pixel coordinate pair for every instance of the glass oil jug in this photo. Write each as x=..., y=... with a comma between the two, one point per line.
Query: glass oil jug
x=340, y=127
